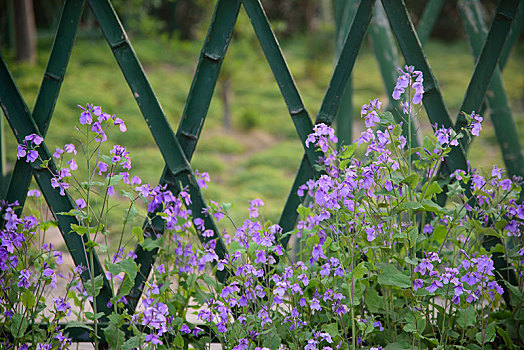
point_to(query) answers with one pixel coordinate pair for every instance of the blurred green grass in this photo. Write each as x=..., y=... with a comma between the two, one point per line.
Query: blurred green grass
x=259, y=156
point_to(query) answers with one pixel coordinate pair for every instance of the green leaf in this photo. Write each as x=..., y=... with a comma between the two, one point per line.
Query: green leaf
x=28, y=299
x=414, y=261
x=113, y=334
x=489, y=334
x=501, y=224
x=125, y=288
x=150, y=244
x=127, y=195
x=332, y=329
x=398, y=346
x=431, y=206
x=387, y=118
x=127, y=266
x=18, y=325
x=91, y=316
x=432, y=189
x=390, y=276
x=374, y=302
x=44, y=226
x=303, y=212
x=311, y=241
x=466, y=318
x=439, y=233
x=99, y=282
x=179, y=341
x=421, y=325
x=505, y=336
x=411, y=205
x=138, y=233
x=499, y=248
x=75, y=212
x=227, y=207
x=45, y=163
x=131, y=343
x=412, y=180
x=210, y=281
x=234, y=246
x=81, y=230
x=77, y=324
x=410, y=328
x=360, y=270
x=115, y=179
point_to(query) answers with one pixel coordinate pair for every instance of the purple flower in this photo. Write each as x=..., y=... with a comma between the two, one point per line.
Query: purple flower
x=86, y=118
x=21, y=151
x=261, y=257
x=62, y=306
x=34, y=193
x=58, y=153
x=34, y=138
x=434, y=286
x=423, y=266
x=409, y=76
x=476, y=125
x=202, y=179
x=32, y=155
x=314, y=304
x=120, y=124
x=102, y=168
x=70, y=148
x=153, y=339
x=371, y=234
x=417, y=284
x=318, y=252
x=80, y=203
x=428, y=229
x=23, y=279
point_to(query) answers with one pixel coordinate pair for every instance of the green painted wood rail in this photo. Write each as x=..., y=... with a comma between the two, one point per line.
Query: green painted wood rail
x=491, y=50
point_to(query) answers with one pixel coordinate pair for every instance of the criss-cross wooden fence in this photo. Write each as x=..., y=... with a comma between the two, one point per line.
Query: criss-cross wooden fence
x=384, y=21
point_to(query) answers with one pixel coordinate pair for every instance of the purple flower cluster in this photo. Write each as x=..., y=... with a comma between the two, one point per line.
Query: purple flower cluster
x=322, y=136
x=473, y=278
x=370, y=112
x=409, y=77
x=27, y=148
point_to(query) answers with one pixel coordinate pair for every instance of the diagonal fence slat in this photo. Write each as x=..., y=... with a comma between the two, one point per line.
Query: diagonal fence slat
x=344, y=14
x=22, y=124
x=516, y=30
x=154, y=115
x=205, y=78
x=48, y=94
x=282, y=75
x=195, y=111
x=330, y=102
x=428, y=19
x=386, y=54
x=499, y=109
x=412, y=51
x=487, y=62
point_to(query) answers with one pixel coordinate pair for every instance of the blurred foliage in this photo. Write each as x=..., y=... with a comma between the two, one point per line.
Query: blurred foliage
x=260, y=154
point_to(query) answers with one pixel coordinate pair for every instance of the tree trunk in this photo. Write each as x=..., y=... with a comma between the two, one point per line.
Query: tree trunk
x=25, y=31
x=225, y=94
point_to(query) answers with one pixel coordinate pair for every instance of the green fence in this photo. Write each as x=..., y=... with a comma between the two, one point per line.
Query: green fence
x=383, y=21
